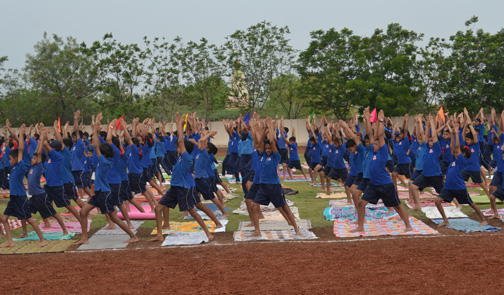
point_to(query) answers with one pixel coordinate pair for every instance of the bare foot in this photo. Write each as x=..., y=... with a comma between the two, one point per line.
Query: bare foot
x=210, y=237
x=23, y=235
x=43, y=244
x=131, y=226
x=65, y=233
x=134, y=239
x=416, y=209
x=219, y=225
x=82, y=241
x=7, y=245
x=493, y=217
x=225, y=215
x=166, y=226
x=444, y=223
x=110, y=226
x=249, y=225
x=459, y=207
x=256, y=234
x=47, y=226
x=357, y=229
x=484, y=222
x=298, y=232
x=322, y=188
x=183, y=215
x=158, y=238
x=262, y=217
x=408, y=228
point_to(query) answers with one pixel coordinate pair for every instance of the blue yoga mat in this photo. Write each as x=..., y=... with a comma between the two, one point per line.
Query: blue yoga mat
x=32, y=236
x=467, y=225
x=213, y=207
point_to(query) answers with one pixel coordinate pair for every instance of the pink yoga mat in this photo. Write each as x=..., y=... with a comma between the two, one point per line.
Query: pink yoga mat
x=424, y=195
x=73, y=227
x=137, y=215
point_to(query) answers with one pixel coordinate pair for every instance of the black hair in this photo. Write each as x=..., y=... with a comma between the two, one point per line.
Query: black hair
x=36, y=136
x=206, y=128
x=14, y=153
x=75, y=134
x=68, y=142
x=286, y=129
x=103, y=134
x=212, y=149
x=168, y=133
x=56, y=145
x=244, y=136
x=469, y=135
x=116, y=141
x=43, y=158
x=317, y=131
x=350, y=143
x=161, y=138
x=366, y=136
x=477, y=130
x=11, y=144
x=85, y=134
x=478, y=119
x=292, y=138
x=466, y=151
x=106, y=150
x=148, y=140
x=312, y=139
x=135, y=141
x=189, y=146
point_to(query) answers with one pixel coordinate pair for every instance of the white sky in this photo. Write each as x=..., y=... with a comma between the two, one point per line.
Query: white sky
x=22, y=23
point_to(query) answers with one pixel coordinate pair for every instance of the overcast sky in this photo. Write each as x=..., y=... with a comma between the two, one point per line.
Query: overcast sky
x=22, y=23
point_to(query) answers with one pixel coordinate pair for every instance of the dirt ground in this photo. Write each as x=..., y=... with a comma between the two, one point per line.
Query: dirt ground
x=444, y=264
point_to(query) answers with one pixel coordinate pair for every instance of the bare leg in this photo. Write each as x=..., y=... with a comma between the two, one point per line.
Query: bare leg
x=35, y=226
x=220, y=206
x=494, y=208
x=136, y=204
x=220, y=195
x=124, y=227
x=111, y=224
x=394, y=179
x=166, y=218
x=61, y=223
x=291, y=217
x=356, y=195
x=47, y=224
x=348, y=195
x=361, y=213
x=415, y=193
x=248, y=203
x=8, y=233
x=290, y=172
x=159, y=236
x=126, y=215
x=154, y=184
x=441, y=210
x=74, y=212
x=284, y=214
x=480, y=214
x=255, y=220
x=79, y=202
x=404, y=216
x=201, y=223
x=485, y=188
x=328, y=185
x=150, y=199
x=83, y=220
x=208, y=212
x=24, y=233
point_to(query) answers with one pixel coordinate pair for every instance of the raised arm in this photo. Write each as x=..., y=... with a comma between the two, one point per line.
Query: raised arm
x=96, y=138
x=126, y=134
x=180, y=133
x=271, y=135
x=76, y=124
x=381, y=128
x=434, y=133
x=456, y=150
x=38, y=150
x=405, y=124
x=419, y=129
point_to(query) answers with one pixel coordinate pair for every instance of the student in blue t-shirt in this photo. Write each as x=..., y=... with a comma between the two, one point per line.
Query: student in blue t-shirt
x=447, y=154
x=473, y=169
x=455, y=187
x=336, y=163
x=294, y=161
x=418, y=148
x=431, y=175
x=380, y=184
x=271, y=188
x=357, y=153
x=78, y=150
x=498, y=156
x=180, y=192
x=18, y=203
x=401, y=146
x=368, y=153
x=316, y=157
x=281, y=134
x=103, y=197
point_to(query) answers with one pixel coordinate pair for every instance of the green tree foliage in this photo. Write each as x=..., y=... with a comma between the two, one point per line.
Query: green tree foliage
x=286, y=97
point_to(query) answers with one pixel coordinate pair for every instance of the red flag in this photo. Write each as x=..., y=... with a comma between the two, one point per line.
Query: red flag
x=59, y=125
x=374, y=117
x=441, y=115
x=118, y=124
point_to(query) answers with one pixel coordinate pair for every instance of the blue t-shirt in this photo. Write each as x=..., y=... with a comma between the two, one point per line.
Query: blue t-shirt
x=66, y=174
x=230, y=145
x=368, y=154
x=269, y=168
x=200, y=164
x=431, y=160
x=134, y=165
x=160, y=149
x=400, y=151
x=420, y=153
x=101, y=174
x=16, y=177
x=446, y=144
x=490, y=132
x=473, y=162
x=309, y=145
x=123, y=165
x=281, y=141
x=114, y=177
x=316, y=153
x=359, y=158
x=497, y=154
x=32, y=147
x=480, y=127
x=146, y=161
x=454, y=179
x=339, y=154
x=256, y=166
x=293, y=152
x=152, y=152
x=412, y=149
x=34, y=176
x=180, y=171
x=172, y=147
x=77, y=154
x=234, y=143
x=326, y=147
x=246, y=147
x=378, y=174
x=53, y=169
x=5, y=159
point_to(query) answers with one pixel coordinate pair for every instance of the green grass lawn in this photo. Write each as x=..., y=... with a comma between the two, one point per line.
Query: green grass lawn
x=309, y=208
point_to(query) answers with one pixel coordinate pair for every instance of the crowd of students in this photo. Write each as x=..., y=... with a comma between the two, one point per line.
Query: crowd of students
x=111, y=165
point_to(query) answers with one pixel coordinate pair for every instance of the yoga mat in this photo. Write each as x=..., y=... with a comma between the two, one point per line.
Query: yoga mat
x=451, y=212
x=72, y=226
x=277, y=216
x=214, y=207
x=118, y=230
x=100, y=242
x=488, y=212
x=270, y=235
x=218, y=215
x=475, y=193
x=428, y=203
x=467, y=225
x=302, y=179
x=349, y=212
x=343, y=202
x=191, y=226
x=392, y=227
x=185, y=238
x=332, y=196
x=483, y=199
x=32, y=236
x=280, y=225
x=14, y=224
x=31, y=247
x=422, y=195
x=134, y=214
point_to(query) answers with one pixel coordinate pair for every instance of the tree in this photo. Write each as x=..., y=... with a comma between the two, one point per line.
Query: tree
x=286, y=96
x=61, y=74
x=262, y=52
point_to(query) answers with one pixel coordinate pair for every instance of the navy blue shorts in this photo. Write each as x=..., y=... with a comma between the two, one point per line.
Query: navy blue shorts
x=252, y=193
x=250, y=176
x=497, y=179
x=363, y=184
x=313, y=165
x=462, y=196
x=147, y=174
x=177, y=195
x=415, y=174
x=295, y=164
x=307, y=155
x=429, y=181
x=80, y=179
x=390, y=166
x=104, y=201
x=88, y=175
x=137, y=185
x=326, y=170
x=42, y=204
x=204, y=186
x=474, y=175
x=499, y=194
x=153, y=168
x=57, y=195
x=214, y=184
x=386, y=192
x=125, y=193
x=115, y=193
x=70, y=191
x=323, y=162
x=270, y=193
x=18, y=206
x=350, y=180
x=336, y=174
x=219, y=180
x=403, y=169
x=358, y=179
x=444, y=167
x=284, y=156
